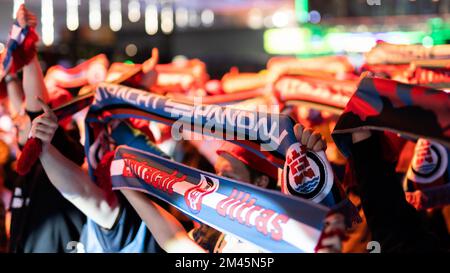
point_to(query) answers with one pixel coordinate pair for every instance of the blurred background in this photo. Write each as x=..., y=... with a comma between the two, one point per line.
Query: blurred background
x=226, y=33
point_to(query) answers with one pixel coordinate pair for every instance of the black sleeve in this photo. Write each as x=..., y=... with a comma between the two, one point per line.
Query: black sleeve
x=393, y=222
x=33, y=115
x=65, y=144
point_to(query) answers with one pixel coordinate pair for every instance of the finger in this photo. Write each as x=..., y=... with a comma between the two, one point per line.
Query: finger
x=42, y=136
x=41, y=128
x=44, y=128
x=319, y=146
x=298, y=131
x=47, y=110
x=315, y=136
x=43, y=105
x=46, y=121
x=305, y=136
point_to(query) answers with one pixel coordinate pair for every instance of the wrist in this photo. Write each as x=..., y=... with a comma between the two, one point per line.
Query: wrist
x=11, y=78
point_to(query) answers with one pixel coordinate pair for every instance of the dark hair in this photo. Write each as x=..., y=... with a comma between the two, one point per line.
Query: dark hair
x=254, y=175
x=189, y=155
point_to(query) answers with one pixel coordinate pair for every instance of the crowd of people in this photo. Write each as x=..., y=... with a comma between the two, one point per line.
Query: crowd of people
x=59, y=206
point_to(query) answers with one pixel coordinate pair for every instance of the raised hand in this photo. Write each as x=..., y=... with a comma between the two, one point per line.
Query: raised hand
x=25, y=17
x=44, y=126
x=313, y=140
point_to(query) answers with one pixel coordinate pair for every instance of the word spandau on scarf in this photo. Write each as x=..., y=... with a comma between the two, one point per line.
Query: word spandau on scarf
x=268, y=219
x=213, y=120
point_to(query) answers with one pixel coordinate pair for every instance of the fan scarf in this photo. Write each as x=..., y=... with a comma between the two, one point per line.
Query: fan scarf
x=20, y=50
x=268, y=219
x=22, y=41
x=381, y=104
x=387, y=105
x=89, y=72
x=307, y=174
x=325, y=94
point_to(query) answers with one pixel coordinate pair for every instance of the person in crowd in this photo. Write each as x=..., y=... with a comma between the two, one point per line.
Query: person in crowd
x=113, y=225
x=41, y=219
x=393, y=222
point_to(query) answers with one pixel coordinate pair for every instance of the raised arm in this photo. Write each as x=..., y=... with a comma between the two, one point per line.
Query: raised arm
x=72, y=181
x=393, y=222
x=33, y=79
x=167, y=230
x=33, y=85
x=15, y=94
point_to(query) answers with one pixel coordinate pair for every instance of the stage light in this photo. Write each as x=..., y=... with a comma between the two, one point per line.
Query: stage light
x=301, y=10
x=181, y=17
x=72, y=21
x=314, y=17
x=280, y=19
x=151, y=19
x=167, y=19
x=95, y=14
x=207, y=17
x=194, y=20
x=134, y=11
x=427, y=41
x=131, y=50
x=115, y=15
x=47, y=21
x=255, y=19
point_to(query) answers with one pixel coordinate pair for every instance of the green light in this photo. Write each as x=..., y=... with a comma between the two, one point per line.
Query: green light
x=427, y=41
x=286, y=40
x=128, y=62
x=301, y=10
x=305, y=41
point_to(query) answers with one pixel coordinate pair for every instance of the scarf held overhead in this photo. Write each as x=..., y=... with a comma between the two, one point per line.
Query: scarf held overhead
x=307, y=174
x=380, y=104
x=268, y=219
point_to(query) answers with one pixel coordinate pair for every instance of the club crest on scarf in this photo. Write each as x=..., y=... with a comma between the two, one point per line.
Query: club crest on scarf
x=429, y=162
x=194, y=195
x=306, y=174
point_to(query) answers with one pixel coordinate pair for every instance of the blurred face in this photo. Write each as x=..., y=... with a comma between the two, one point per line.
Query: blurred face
x=230, y=167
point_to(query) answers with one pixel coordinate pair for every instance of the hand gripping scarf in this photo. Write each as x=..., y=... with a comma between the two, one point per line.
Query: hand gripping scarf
x=412, y=111
x=306, y=174
x=428, y=176
x=268, y=219
x=32, y=149
x=20, y=50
